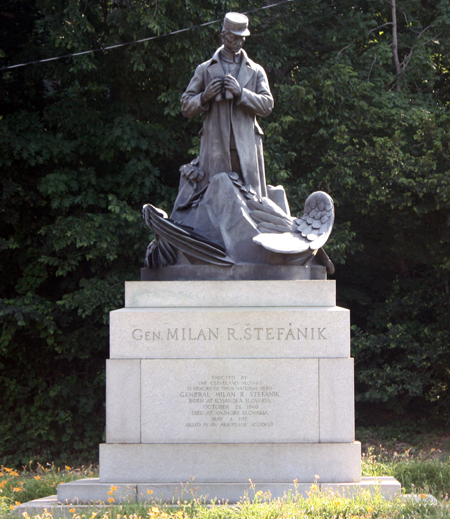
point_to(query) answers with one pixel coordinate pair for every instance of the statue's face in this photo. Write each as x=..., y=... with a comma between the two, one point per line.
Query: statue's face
x=232, y=42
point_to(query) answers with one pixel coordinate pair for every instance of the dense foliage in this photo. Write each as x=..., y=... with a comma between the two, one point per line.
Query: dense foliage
x=361, y=112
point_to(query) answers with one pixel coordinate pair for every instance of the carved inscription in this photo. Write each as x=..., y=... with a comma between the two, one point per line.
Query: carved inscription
x=289, y=333
x=230, y=401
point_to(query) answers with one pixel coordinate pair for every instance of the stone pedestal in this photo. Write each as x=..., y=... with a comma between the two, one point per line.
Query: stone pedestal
x=225, y=384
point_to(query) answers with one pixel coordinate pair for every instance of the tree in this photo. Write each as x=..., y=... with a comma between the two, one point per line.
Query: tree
x=369, y=111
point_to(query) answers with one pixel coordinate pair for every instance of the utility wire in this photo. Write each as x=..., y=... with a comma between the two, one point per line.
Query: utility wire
x=136, y=41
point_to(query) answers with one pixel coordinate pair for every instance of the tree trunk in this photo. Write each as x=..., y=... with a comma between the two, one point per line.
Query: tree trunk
x=395, y=43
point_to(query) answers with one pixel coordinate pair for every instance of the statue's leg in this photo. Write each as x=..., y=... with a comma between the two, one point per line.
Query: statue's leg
x=235, y=163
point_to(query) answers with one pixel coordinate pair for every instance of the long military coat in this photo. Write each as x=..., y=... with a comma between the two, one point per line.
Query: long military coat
x=220, y=116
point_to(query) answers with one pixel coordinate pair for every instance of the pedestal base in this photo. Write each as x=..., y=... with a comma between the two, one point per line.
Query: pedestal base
x=230, y=463
x=79, y=494
x=92, y=490
x=236, y=272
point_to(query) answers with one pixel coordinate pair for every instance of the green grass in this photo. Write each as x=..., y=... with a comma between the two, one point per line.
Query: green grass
x=416, y=474
x=420, y=476
x=317, y=506
x=33, y=482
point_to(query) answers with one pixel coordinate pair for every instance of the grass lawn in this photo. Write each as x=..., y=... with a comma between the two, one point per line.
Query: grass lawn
x=422, y=468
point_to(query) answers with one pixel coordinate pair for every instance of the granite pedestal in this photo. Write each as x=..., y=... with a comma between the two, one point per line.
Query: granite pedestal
x=227, y=384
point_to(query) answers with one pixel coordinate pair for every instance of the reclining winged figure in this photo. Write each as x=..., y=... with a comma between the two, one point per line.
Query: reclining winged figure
x=289, y=240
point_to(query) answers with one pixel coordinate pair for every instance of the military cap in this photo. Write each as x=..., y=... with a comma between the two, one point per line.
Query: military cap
x=236, y=23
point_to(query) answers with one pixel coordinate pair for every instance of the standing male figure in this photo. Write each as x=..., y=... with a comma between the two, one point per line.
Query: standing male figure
x=231, y=90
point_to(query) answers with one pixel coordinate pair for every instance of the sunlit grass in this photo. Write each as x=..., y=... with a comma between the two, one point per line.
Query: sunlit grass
x=420, y=476
x=34, y=481
x=318, y=506
x=417, y=474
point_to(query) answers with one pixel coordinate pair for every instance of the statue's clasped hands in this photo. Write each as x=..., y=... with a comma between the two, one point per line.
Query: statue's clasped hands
x=227, y=85
x=231, y=84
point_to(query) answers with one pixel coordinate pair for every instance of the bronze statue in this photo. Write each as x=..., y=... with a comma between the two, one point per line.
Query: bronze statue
x=231, y=90
x=225, y=214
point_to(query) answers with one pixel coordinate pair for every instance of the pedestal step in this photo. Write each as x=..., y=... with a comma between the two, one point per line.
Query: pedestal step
x=231, y=463
x=92, y=490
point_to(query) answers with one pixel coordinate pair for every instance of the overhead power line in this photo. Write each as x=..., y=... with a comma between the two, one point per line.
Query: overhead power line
x=111, y=47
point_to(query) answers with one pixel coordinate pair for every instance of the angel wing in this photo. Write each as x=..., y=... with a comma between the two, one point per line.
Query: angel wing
x=171, y=236
x=302, y=236
x=317, y=221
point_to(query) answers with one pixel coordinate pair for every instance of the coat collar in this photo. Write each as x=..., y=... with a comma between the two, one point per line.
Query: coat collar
x=245, y=73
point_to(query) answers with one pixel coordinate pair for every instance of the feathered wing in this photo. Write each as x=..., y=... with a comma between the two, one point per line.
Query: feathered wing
x=317, y=221
x=302, y=236
x=171, y=236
